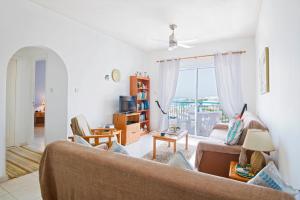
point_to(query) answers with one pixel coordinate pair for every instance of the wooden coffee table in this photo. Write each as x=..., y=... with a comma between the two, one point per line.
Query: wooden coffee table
x=169, y=138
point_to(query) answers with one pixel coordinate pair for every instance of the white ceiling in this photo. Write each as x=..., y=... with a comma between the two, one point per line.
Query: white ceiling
x=139, y=22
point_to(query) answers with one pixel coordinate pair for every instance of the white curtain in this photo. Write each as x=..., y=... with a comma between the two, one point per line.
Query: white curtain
x=228, y=77
x=168, y=81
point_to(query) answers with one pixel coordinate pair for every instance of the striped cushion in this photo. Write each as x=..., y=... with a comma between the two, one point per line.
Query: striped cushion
x=270, y=177
x=235, y=129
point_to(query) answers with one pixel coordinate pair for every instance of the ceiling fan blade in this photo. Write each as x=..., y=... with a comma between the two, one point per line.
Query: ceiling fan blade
x=160, y=41
x=189, y=41
x=184, y=46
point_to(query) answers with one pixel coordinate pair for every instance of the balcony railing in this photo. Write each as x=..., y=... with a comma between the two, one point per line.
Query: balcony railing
x=208, y=113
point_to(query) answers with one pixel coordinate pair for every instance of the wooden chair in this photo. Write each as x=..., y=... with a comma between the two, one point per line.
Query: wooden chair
x=95, y=136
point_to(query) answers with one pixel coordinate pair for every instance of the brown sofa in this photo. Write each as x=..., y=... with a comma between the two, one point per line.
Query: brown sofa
x=74, y=172
x=213, y=156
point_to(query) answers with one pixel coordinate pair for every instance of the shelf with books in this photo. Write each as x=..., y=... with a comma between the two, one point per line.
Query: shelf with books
x=142, y=99
x=146, y=110
x=142, y=78
x=140, y=87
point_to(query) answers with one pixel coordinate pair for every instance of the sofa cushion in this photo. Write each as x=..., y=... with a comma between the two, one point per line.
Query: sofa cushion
x=102, y=146
x=218, y=134
x=251, y=121
x=118, y=148
x=270, y=177
x=178, y=160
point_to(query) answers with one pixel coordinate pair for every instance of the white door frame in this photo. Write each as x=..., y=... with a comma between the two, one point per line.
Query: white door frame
x=11, y=102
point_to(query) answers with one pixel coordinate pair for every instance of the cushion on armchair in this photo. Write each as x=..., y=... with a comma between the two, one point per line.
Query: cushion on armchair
x=79, y=140
x=234, y=132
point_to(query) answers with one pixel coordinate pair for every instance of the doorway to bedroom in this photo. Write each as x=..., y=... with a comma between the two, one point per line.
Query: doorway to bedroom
x=36, y=107
x=39, y=103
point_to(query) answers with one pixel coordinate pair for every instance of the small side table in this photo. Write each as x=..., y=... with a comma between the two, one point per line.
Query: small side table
x=234, y=175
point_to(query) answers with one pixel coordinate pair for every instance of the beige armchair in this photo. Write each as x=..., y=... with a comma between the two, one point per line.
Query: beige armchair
x=214, y=157
x=95, y=136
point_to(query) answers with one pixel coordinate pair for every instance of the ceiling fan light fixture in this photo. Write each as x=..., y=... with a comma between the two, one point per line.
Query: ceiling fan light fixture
x=174, y=43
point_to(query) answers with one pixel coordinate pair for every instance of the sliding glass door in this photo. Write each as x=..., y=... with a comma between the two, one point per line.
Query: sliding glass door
x=183, y=105
x=196, y=105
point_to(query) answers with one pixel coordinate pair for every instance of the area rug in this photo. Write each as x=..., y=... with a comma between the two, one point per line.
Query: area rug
x=165, y=153
x=21, y=161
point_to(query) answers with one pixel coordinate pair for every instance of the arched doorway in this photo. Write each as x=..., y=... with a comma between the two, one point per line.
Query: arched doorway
x=36, y=102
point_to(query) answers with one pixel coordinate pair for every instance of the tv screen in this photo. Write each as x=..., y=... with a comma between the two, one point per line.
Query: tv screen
x=127, y=104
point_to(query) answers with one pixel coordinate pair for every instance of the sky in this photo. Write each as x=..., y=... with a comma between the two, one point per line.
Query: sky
x=186, y=84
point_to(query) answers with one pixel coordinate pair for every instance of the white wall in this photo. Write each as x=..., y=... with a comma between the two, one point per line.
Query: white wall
x=279, y=29
x=56, y=119
x=247, y=61
x=88, y=56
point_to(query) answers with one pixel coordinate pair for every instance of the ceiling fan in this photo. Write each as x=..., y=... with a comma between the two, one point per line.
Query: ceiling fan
x=174, y=43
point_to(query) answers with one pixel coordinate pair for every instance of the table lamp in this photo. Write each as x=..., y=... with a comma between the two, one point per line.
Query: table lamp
x=258, y=141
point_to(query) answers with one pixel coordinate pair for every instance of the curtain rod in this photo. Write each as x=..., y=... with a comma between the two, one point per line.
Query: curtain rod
x=201, y=56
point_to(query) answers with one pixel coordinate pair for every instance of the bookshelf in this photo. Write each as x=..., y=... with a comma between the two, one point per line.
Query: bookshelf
x=140, y=87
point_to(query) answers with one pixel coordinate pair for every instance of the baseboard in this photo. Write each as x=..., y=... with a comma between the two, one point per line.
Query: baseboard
x=3, y=178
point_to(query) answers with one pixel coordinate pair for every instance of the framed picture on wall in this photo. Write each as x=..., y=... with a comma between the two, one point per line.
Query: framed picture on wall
x=264, y=70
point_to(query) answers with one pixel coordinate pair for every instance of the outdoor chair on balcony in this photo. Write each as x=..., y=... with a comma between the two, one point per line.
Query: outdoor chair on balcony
x=205, y=122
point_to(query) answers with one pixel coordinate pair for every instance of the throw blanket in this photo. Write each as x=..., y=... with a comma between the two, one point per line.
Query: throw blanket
x=74, y=172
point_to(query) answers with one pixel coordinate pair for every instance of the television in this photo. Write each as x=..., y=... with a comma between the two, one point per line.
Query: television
x=127, y=104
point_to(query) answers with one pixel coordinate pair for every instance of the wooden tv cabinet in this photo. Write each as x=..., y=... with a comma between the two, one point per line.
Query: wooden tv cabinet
x=129, y=124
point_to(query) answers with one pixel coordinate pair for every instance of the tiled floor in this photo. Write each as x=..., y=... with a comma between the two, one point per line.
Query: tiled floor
x=38, y=142
x=27, y=187
x=23, y=188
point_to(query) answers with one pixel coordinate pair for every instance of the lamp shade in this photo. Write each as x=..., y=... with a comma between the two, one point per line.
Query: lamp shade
x=258, y=140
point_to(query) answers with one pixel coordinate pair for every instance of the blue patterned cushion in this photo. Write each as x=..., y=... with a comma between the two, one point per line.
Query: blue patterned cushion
x=178, y=160
x=270, y=177
x=118, y=148
x=235, y=129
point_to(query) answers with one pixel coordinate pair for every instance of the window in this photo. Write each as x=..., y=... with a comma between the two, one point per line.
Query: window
x=196, y=105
